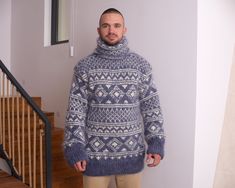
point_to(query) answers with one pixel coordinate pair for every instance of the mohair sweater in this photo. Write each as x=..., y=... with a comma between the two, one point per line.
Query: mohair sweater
x=113, y=107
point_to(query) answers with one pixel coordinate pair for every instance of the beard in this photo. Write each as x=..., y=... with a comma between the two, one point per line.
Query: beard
x=108, y=41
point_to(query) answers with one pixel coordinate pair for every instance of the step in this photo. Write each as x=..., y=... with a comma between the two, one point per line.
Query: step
x=8, y=181
x=51, y=118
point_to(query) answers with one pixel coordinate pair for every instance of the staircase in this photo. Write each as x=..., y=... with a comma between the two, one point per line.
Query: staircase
x=30, y=142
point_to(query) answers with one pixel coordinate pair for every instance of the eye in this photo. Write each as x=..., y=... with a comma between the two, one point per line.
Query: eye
x=117, y=25
x=104, y=26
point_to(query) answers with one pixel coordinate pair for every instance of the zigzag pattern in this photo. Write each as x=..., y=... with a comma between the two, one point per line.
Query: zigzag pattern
x=114, y=130
x=113, y=115
x=115, y=147
x=113, y=75
x=111, y=97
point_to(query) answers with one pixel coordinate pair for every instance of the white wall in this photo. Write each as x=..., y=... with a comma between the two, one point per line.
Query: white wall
x=216, y=39
x=164, y=32
x=5, y=32
x=43, y=71
x=5, y=47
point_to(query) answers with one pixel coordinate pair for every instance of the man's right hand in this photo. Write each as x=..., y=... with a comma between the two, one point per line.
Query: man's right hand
x=80, y=166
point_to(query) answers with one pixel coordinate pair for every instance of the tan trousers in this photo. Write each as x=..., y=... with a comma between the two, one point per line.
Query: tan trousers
x=122, y=181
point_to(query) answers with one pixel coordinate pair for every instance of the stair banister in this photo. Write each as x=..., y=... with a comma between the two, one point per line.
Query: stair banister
x=42, y=116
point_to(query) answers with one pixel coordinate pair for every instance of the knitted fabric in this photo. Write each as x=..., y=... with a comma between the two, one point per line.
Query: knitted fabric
x=113, y=107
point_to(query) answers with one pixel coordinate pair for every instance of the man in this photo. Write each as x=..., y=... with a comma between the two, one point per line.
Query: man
x=113, y=108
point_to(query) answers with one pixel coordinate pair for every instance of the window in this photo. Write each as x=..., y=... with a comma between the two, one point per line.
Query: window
x=59, y=21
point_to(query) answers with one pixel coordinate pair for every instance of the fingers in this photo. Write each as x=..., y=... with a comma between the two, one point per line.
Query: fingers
x=83, y=166
x=153, y=160
x=80, y=166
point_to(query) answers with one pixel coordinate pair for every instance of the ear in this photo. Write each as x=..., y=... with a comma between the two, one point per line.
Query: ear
x=98, y=30
x=125, y=30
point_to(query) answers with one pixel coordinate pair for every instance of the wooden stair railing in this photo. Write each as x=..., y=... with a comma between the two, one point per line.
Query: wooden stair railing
x=25, y=134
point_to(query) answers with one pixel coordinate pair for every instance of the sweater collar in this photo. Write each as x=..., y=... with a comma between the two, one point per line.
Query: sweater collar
x=118, y=51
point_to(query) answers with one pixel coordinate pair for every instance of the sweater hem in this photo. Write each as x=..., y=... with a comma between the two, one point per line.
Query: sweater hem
x=114, y=166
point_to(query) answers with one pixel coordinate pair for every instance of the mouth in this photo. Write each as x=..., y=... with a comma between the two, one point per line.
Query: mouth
x=111, y=36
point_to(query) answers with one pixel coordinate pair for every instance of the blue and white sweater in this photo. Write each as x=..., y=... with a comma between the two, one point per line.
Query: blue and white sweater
x=113, y=107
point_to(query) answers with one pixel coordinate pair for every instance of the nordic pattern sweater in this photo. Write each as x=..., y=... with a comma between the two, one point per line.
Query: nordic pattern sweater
x=113, y=107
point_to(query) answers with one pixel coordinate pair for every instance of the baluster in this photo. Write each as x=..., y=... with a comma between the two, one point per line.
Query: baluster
x=41, y=156
x=23, y=140
x=18, y=132
x=29, y=148
x=4, y=112
x=8, y=117
x=13, y=125
x=34, y=149
x=1, y=113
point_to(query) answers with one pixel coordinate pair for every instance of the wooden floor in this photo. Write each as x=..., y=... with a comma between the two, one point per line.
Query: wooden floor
x=7, y=181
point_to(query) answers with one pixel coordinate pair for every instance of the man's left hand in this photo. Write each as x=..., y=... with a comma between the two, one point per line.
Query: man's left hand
x=153, y=160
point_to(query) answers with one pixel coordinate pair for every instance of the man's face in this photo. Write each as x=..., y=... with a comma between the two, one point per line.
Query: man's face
x=111, y=29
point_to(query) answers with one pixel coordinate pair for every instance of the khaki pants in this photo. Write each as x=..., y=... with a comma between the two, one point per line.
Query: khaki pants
x=122, y=181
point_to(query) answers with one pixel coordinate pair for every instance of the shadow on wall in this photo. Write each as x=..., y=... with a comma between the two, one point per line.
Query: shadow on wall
x=225, y=171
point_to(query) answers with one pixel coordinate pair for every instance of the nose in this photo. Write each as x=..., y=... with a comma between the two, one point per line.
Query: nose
x=111, y=29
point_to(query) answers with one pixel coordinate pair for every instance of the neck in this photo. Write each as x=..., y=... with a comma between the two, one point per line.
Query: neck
x=117, y=51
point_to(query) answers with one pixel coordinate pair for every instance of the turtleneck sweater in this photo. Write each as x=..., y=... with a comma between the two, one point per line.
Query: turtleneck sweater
x=113, y=111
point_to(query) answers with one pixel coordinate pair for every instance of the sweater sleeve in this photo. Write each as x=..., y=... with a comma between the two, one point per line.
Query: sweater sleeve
x=152, y=114
x=74, y=137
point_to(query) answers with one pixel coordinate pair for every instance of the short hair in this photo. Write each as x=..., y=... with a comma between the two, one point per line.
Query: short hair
x=111, y=10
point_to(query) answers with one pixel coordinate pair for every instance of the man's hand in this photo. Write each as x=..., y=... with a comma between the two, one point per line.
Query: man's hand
x=153, y=160
x=80, y=166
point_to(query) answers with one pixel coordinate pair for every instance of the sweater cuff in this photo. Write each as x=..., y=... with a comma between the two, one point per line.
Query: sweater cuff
x=156, y=146
x=75, y=153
